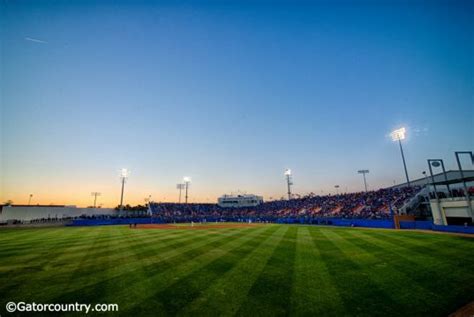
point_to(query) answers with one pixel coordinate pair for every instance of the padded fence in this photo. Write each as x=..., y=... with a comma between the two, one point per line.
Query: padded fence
x=423, y=225
x=342, y=222
x=114, y=221
x=455, y=229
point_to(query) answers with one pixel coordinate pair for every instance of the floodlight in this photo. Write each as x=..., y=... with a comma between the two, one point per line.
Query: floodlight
x=288, y=181
x=398, y=134
x=95, y=194
x=186, y=181
x=124, y=173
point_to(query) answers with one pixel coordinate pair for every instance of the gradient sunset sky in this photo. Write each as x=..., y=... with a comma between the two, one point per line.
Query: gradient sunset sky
x=229, y=93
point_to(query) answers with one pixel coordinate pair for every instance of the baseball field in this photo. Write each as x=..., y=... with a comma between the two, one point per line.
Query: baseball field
x=232, y=270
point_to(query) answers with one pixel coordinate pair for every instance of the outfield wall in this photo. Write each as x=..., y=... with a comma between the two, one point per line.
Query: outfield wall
x=340, y=222
x=454, y=229
x=422, y=225
x=115, y=221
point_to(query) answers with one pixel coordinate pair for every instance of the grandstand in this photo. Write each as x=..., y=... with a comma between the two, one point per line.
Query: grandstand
x=380, y=204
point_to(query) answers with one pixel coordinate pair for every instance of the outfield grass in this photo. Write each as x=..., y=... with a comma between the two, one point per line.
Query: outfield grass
x=267, y=270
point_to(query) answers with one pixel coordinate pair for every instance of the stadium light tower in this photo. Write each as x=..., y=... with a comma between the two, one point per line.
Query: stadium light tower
x=187, y=181
x=399, y=135
x=124, y=173
x=363, y=172
x=180, y=187
x=147, y=200
x=337, y=189
x=288, y=182
x=95, y=194
x=29, y=200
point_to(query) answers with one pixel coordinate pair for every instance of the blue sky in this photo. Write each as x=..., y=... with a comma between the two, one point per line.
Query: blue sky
x=229, y=93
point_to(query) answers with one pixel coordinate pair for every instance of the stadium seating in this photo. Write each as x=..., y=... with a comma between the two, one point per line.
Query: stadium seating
x=364, y=205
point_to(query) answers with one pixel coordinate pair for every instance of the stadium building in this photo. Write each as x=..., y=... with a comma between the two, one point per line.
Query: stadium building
x=237, y=201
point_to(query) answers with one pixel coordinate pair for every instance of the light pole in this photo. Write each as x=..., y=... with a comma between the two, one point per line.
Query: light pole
x=187, y=181
x=363, y=172
x=466, y=192
x=399, y=135
x=437, y=163
x=180, y=187
x=337, y=189
x=147, y=199
x=124, y=173
x=95, y=194
x=29, y=200
x=288, y=182
x=426, y=178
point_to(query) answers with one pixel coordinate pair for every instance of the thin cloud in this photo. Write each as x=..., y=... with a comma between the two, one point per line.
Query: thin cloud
x=35, y=40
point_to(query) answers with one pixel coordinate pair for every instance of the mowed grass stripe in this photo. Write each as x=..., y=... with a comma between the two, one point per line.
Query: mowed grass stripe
x=150, y=237
x=184, y=290
x=146, y=261
x=313, y=292
x=360, y=295
x=158, y=243
x=149, y=248
x=40, y=273
x=443, y=292
x=40, y=242
x=90, y=274
x=65, y=268
x=22, y=236
x=452, y=254
x=228, y=291
x=444, y=241
x=432, y=259
x=24, y=253
x=271, y=290
x=181, y=262
x=388, y=273
x=35, y=255
x=131, y=234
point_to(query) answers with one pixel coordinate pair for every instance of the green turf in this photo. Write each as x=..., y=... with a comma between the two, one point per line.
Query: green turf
x=267, y=270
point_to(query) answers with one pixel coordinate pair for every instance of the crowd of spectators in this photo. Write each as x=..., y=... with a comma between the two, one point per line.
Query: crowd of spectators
x=377, y=204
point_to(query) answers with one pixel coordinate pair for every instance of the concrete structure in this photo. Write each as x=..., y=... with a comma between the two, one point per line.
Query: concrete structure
x=444, y=208
x=239, y=200
x=453, y=177
x=451, y=211
x=28, y=213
